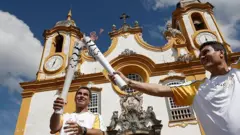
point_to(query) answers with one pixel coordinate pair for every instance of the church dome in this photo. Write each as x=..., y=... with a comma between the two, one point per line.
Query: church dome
x=184, y=3
x=68, y=22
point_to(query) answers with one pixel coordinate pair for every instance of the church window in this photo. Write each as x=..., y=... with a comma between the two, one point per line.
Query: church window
x=198, y=21
x=94, y=106
x=178, y=113
x=58, y=43
x=135, y=77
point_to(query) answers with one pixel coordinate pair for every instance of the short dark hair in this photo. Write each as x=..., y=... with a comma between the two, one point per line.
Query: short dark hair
x=86, y=88
x=217, y=46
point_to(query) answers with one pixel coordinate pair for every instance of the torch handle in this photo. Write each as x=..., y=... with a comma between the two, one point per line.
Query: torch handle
x=97, y=54
x=70, y=72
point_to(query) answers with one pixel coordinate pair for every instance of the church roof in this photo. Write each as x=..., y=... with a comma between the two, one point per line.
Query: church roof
x=183, y=3
x=68, y=22
x=125, y=27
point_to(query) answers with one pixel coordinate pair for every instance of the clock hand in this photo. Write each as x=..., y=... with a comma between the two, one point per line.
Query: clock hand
x=205, y=38
x=54, y=62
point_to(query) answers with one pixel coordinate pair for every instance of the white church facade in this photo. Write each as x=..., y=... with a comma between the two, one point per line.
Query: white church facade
x=176, y=62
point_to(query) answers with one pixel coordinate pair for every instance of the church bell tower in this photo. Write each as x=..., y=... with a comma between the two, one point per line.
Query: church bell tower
x=197, y=23
x=58, y=46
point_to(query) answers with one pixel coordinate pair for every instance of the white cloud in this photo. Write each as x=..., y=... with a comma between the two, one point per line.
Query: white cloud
x=226, y=12
x=20, y=52
x=227, y=16
x=156, y=4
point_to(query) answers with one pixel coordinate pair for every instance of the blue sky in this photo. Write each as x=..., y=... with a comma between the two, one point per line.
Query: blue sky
x=23, y=22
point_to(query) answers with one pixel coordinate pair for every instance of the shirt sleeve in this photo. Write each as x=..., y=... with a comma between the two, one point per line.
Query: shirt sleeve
x=184, y=95
x=98, y=123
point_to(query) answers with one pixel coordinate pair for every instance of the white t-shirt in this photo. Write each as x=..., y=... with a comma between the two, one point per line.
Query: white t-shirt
x=215, y=101
x=85, y=119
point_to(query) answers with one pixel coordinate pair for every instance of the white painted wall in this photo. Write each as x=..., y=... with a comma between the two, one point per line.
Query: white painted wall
x=212, y=25
x=189, y=28
x=109, y=102
x=40, y=111
x=89, y=67
x=130, y=43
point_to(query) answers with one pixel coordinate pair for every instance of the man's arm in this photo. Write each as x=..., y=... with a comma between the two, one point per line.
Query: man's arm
x=148, y=88
x=151, y=89
x=94, y=132
x=55, y=121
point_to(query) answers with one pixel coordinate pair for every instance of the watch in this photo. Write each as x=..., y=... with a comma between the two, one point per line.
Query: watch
x=84, y=131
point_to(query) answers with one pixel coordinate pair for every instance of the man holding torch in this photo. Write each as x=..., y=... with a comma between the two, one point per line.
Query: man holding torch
x=215, y=100
x=81, y=122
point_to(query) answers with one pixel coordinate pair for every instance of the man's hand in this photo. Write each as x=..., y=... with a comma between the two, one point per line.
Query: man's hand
x=58, y=104
x=112, y=78
x=55, y=122
x=73, y=128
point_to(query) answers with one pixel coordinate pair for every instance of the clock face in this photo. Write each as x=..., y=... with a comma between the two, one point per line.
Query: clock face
x=54, y=63
x=205, y=37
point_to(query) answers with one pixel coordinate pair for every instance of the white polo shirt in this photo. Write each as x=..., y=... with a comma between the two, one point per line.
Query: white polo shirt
x=84, y=119
x=216, y=102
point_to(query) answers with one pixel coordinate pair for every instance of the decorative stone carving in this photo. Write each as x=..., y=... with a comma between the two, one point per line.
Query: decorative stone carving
x=133, y=118
x=125, y=28
x=127, y=52
x=171, y=73
x=136, y=24
x=114, y=27
x=186, y=58
x=78, y=74
x=114, y=120
x=170, y=31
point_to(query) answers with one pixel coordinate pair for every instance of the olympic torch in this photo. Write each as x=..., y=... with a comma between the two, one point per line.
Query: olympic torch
x=70, y=71
x=96, y=53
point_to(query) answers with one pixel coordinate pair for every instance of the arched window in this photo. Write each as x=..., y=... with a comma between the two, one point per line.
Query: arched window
x=58, y=43
x=178, y=113
x=135, y=77
x=198, y=21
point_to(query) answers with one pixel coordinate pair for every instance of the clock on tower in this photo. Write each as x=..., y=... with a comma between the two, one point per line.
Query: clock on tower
x=203, y=37
x=54, y=63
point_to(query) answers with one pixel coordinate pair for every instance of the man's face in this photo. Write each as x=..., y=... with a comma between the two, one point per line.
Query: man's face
x=211, y=58
x=82, y=98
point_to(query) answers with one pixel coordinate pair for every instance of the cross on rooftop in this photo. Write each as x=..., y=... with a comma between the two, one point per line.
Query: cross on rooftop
x=124, y=16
